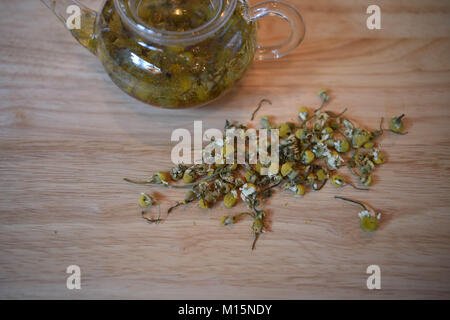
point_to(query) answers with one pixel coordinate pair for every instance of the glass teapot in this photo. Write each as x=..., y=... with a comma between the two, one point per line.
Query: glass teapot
x=177, y=53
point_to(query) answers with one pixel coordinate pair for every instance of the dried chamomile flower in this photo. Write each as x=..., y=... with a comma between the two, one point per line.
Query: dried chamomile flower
x=230, y=199
x=321, y=119
x=334, y=160
x=273, y=169
x=227, y=220
x=359, y=158
x=396, y=124
x=201, y=169
x=360, y=137
x=189, y=175
x=300, y=190
x=163, y=177
x=250, y=176
x=311, y=178
x=176, y=173
x=327, y=133
x=329, y=143
x=366, y=180
x=190, y=196
x=203, y=186
x=239, y=182
x=202, y=203
x=303, y=114
x=307, y=157
x=210, y=171
x=284, y=130
x=369, y=220
x=323, y=95
x=286, y=168
x=369, y=145
x=378, y=156
x=290, y=185
x=300, y=134
x=321, y=175
x=337, y=180
x=320, y=150
x=341, y=146
x=247, y=190
x=146, y=200
x=258, y=226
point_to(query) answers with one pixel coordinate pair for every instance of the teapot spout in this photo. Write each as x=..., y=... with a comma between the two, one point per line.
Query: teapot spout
x=79, y=19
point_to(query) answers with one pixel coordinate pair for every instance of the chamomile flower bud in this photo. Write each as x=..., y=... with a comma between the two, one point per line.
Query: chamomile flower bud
x=307, y=157
x=378, y=157
x=303, y=113
x=321, y=175
x=286, y=168
x=203, y=204
x=396, y=124
x=189, y=176
x=300, y=190
x=369, y=221
x=341, y=146
x=337, y=180
x=366, y=180
x=227, y=220
x=230, y=199
x=145, y=200
x=284, y=130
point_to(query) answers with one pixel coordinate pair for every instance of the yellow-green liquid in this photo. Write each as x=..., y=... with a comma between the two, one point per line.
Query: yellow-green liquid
x=175, y=76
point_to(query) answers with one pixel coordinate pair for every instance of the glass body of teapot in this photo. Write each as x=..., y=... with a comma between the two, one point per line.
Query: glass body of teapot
x=178, y=53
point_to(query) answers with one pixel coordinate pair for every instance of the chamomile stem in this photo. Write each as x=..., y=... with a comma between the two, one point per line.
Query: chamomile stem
x=400, y=133
x=332, y=115
x=175, y=206
x=254, y=241
x=350, y=200
x=137, y=182
x=270, y=187
x=259, y=107
x=243, y=213
x=149, y=183
x=340, y=114
x=324, y=102
x=357, y=188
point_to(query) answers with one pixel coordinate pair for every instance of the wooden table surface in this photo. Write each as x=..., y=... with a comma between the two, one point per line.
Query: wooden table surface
x=68, y=136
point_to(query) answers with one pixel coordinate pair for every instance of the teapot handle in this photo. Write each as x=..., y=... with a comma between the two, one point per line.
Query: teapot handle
x=287, y=12
x=84, y=33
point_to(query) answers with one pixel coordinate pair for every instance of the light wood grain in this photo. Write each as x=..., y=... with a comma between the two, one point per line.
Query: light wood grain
x=68, y=136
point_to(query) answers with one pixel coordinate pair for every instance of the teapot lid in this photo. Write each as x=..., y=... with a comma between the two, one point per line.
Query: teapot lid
x=175, y=22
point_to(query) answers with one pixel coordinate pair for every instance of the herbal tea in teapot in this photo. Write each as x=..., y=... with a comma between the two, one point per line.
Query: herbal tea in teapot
x=178, y=74
x=178, y=53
